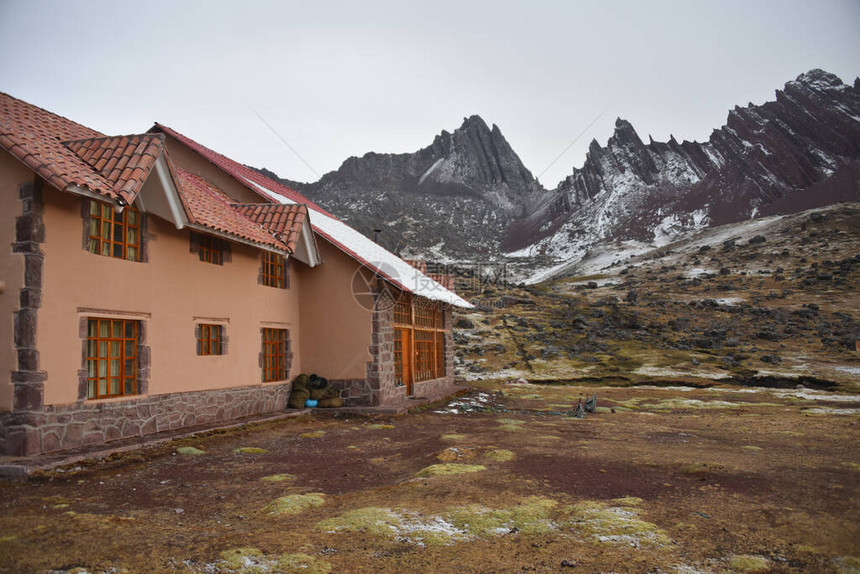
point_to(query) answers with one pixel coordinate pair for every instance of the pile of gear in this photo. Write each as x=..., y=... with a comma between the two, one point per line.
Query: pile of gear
x=313, y=391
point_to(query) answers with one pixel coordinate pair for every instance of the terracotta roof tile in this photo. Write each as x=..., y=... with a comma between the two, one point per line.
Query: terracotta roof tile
x=35, y=137
x=284, y=221
x=125, y=161
x=210, y=207
x=325, y=224
x=237, y=170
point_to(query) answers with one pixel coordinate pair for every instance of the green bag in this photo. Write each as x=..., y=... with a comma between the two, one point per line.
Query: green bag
x=331, y=403
x=298, y=398
x=300, y=382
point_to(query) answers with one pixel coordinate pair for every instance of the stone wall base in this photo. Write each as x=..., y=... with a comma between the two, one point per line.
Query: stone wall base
x=433, y=389
x=354, y=392
x=64, y=427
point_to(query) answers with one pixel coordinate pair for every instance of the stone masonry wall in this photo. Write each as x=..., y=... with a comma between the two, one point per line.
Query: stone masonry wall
x=380, y=371
x=28, y=380
x=58, y=428
x=354, y=392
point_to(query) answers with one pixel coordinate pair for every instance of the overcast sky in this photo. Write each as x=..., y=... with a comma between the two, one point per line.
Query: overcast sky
x=336, y=79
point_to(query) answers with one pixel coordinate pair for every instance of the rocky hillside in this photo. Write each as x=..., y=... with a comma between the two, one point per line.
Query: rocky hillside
x=770, y=301
x=454, y=199
x=800, y=151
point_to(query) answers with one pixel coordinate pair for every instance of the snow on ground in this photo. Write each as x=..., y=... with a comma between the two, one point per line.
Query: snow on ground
x=849, y=370
x=730, y=301
x=579, y=259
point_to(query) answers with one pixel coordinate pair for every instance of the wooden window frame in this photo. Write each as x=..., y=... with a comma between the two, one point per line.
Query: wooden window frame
x=103, y=223
x=275, y=354
x=211, y=250
x=210, y=339
x=111, y=357
x=274, y=270
x=419, y=341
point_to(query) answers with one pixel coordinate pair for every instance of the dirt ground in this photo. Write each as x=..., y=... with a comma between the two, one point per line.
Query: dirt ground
x=500, y=480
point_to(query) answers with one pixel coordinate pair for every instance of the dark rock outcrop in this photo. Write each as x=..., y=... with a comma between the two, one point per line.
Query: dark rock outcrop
x=455, y=198
x=797, y=152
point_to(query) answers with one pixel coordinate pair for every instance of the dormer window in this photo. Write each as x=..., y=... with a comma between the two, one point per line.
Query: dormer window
x=114, y=234
x=274, y=271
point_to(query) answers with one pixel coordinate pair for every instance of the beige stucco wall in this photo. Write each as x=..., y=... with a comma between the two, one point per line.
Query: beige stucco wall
x=336, y=331
x=169, y=293
x=12, y=172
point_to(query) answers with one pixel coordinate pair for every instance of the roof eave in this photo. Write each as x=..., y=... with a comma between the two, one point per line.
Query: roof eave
x=236, y=238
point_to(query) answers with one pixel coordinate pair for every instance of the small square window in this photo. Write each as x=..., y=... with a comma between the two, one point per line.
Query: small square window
x=210, y=339
x=210, y=249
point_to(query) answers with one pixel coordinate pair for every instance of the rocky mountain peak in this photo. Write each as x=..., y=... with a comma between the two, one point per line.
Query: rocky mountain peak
x=762, y=161
x=475, y=122
x=817, y=78
x=460, y=193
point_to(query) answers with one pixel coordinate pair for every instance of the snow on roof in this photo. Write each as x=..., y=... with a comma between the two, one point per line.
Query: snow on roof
x=379, y=259
x=362, y=249
x=382, y=261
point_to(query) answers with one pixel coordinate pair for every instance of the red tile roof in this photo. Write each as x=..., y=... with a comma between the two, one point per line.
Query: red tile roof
x=125, y=161
x=35, y=136
x=284, y=221
x=66, y=153
x=210, y=207
x=237, y=170
x=381, y=261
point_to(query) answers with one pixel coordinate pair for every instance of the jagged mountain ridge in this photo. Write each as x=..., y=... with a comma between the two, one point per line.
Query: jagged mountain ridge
x=454, y=199
x=468, y=196
x=800, y=151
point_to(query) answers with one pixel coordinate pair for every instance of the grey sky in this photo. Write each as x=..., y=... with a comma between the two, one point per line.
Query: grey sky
x=337, y=79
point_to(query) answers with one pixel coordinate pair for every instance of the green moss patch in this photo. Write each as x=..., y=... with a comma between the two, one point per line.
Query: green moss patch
x=616, y=522
x=251, y=560
x=448, y=468
x=313, y=434
x=190, y=450
x=244, y=561
x=250, y=450
x=532, y=516
x=380, y=426
x=499, y=455
x=744, y=563
x=302, y=563
x=453, y=436
x=375, y=521
x=278, y=477
x=294, y=504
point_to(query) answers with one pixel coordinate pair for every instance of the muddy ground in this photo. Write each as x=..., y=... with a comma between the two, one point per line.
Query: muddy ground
x=502, y=479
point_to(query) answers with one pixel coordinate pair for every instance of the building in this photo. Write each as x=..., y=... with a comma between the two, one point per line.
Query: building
x=148, y=283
